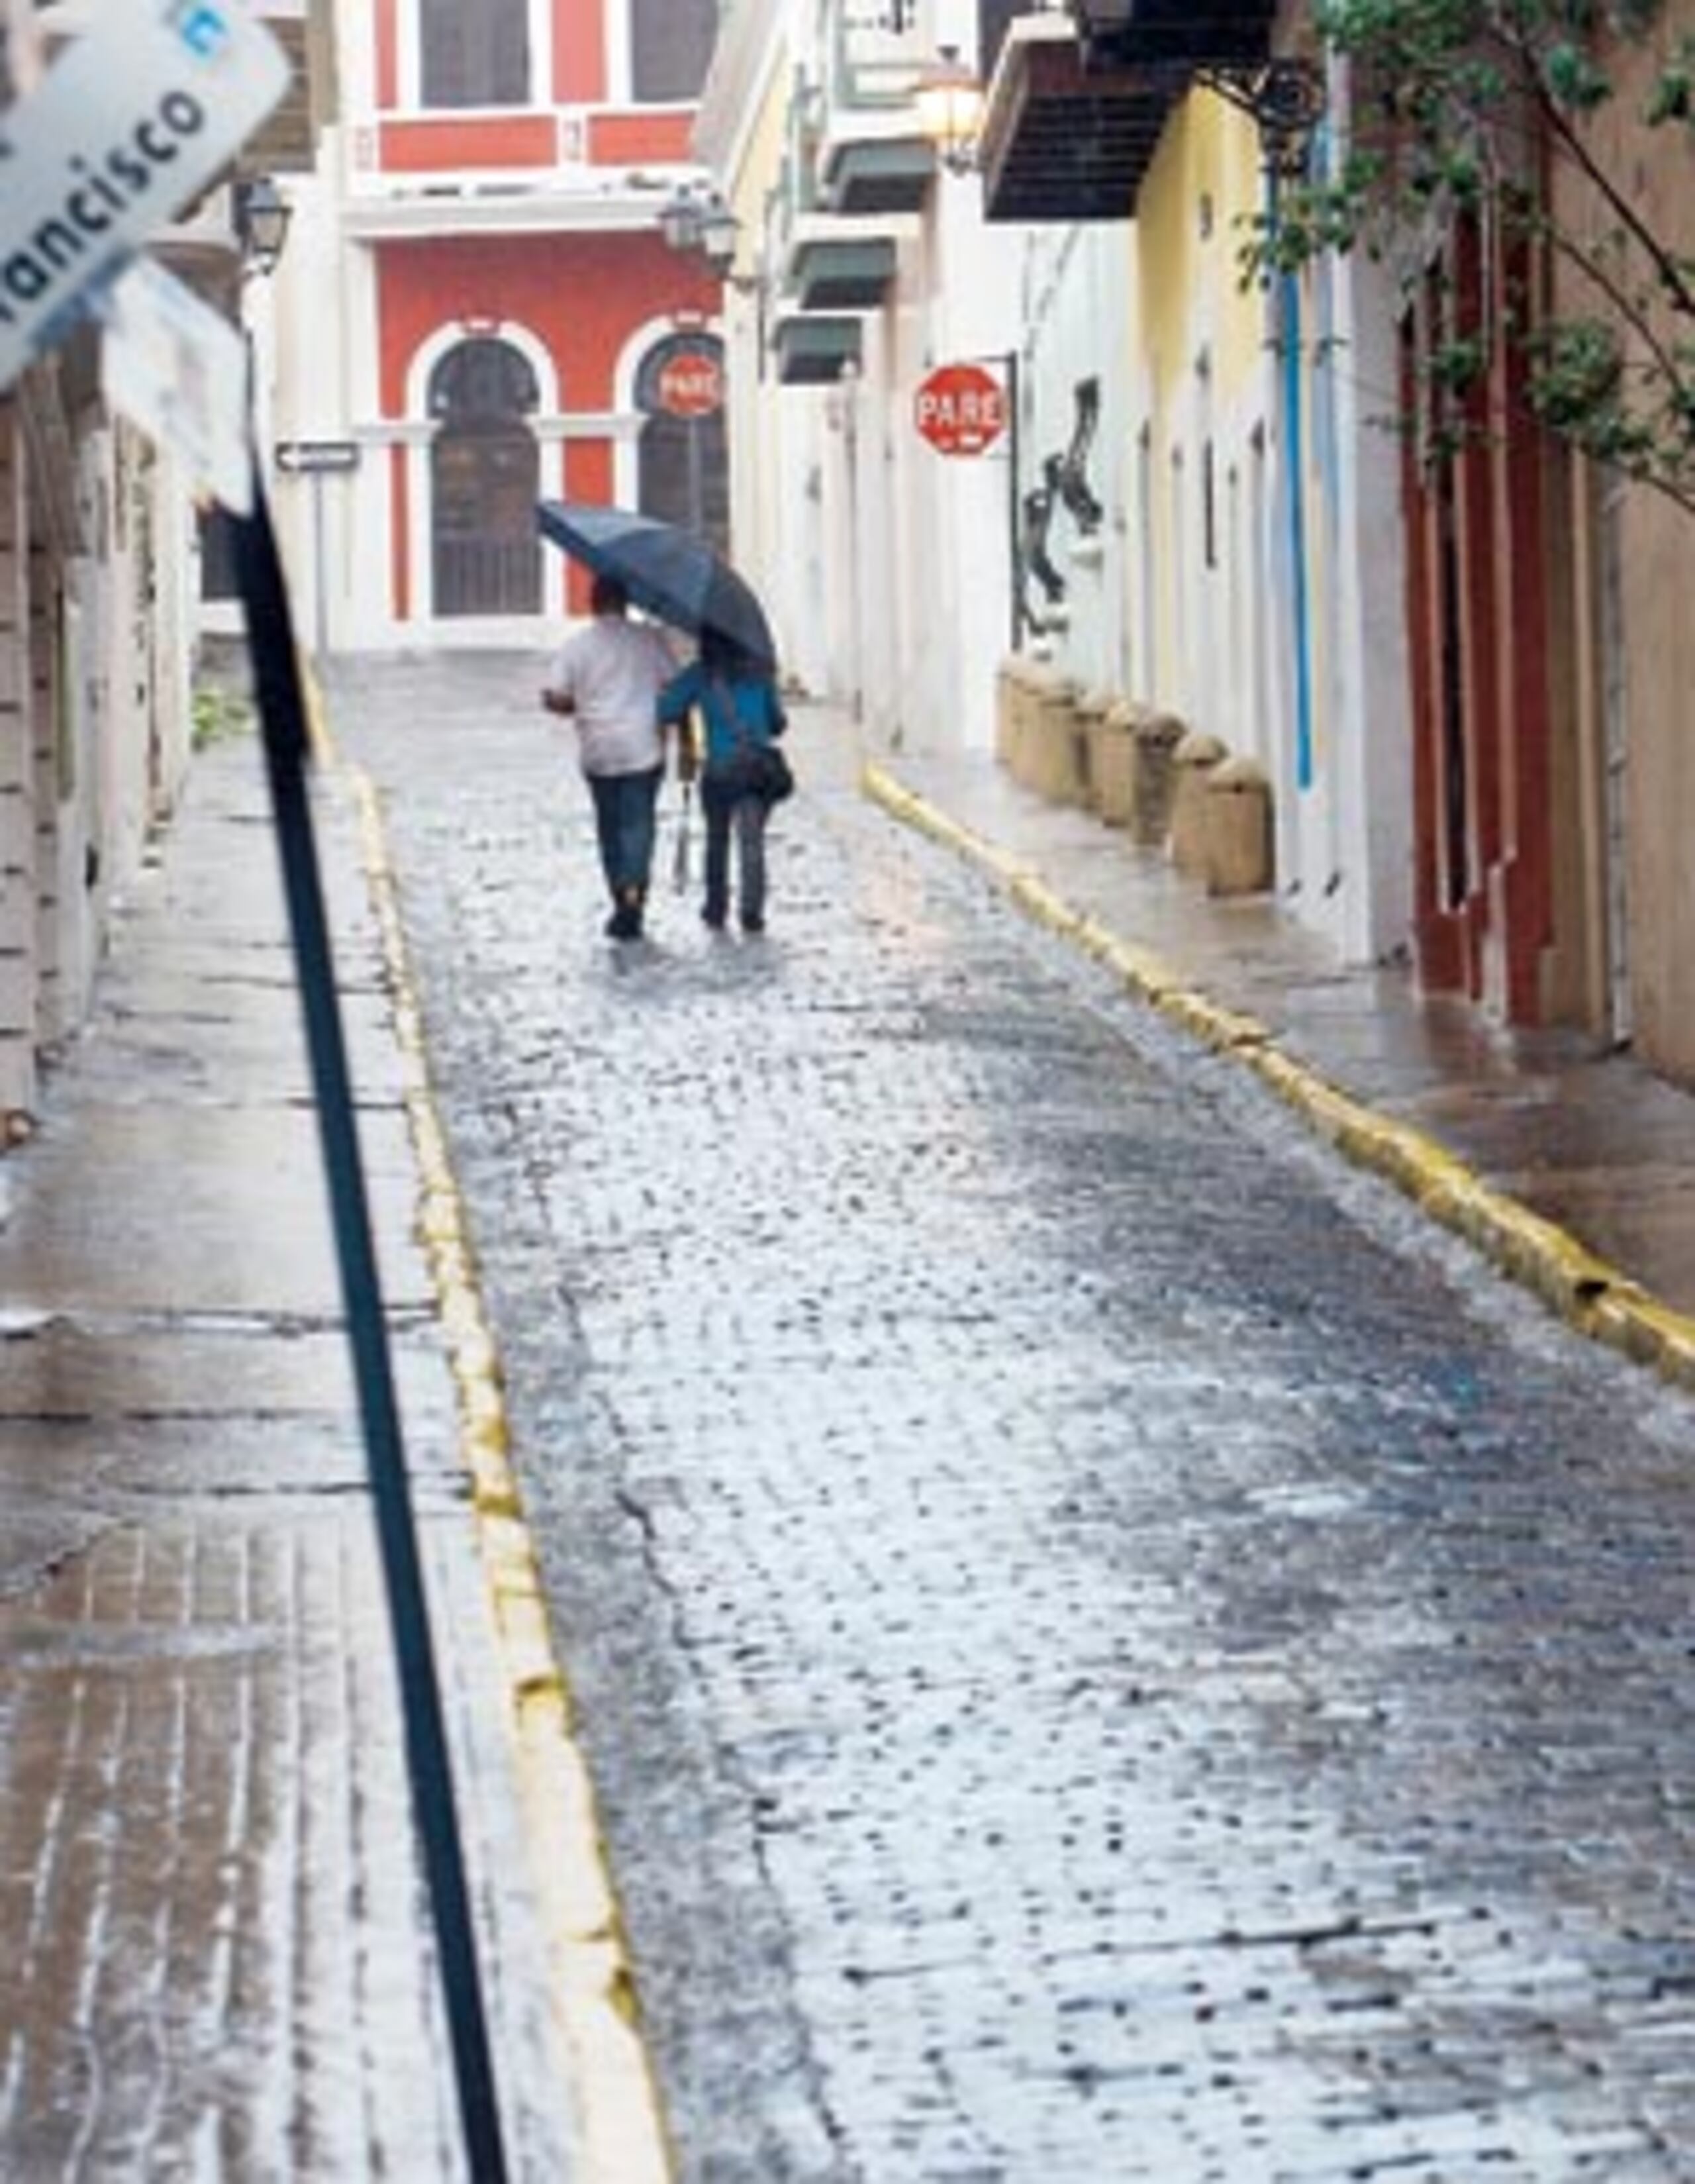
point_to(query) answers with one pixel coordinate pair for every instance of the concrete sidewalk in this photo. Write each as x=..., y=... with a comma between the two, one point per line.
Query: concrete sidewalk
x=1574, y=1170
x=220, y=1960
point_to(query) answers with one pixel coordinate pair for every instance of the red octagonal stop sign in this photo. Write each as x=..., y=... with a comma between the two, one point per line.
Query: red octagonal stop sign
x=961, y=409
x=691, y=385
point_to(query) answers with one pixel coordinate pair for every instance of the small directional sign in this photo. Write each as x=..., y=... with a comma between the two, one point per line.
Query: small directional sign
x=141, y=112
x=299, y=455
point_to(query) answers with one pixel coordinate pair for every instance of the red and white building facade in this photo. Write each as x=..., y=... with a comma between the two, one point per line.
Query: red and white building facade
x=477, y=310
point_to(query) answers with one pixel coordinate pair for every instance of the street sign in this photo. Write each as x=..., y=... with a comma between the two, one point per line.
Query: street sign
x=301, y=456
x=691, y=385
x=141, y=112
x=178, y=370
x=961, y=409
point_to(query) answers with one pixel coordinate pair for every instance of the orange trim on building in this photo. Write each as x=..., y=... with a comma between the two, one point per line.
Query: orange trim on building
x=619, y=140
x=399, y=535
x=579, y=53
x=452, y=145
x=387, y=34
x=581, y=295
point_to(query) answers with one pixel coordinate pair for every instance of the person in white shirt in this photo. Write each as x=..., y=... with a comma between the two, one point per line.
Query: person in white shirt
x=608, y=679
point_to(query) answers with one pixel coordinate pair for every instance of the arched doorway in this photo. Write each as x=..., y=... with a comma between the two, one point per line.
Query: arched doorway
x=683, y=464
x=485, y=475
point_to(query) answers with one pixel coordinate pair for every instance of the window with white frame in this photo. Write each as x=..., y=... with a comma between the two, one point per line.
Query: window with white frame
x=670, y=45
x=474, y=52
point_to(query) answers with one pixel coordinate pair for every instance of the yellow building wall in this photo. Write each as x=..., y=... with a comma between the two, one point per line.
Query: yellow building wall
x=1188, y=300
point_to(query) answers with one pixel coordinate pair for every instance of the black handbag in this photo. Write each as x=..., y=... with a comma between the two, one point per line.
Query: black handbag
x=770, y=774
x=755, y=767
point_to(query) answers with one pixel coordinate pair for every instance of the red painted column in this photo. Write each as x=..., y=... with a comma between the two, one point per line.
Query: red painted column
x=1480, y=620
x=1526, y=876
x=1427, y=479
x=1415, y=512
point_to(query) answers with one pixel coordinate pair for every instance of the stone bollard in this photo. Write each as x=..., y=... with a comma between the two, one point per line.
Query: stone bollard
x=1056, y=729
x=1156, y=736
x=1030, y=697
x=1193, y=761
x=1237, y=828
x=1008, y=678
x=1112, y=763
x=1090, y=713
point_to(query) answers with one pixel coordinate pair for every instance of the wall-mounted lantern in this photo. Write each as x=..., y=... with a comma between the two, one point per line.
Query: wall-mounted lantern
x=949, y=100
x=262, y=216
x=698, y=222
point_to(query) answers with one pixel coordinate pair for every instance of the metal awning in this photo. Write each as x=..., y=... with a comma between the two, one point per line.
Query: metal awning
x=811, y=352
x=841, y=277
x=878, y=175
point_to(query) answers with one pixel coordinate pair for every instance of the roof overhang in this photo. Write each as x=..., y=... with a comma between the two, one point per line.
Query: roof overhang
x=1181, y=33
x=877, y=174
x=811, y=352
x=1062, y=139
x=841, y=277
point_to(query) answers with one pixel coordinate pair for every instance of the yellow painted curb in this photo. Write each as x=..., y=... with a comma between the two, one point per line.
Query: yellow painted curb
x=1592, y=1296
x=615, y=2095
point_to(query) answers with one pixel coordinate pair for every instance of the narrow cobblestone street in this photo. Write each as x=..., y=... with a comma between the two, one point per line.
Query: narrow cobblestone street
x=1109, y=1649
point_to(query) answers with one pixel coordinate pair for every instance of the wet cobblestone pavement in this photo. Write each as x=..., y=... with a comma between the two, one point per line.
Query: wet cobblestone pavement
x=1110, y=1651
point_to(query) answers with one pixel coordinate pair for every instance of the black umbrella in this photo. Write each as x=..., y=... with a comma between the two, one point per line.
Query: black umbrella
x=671, y=572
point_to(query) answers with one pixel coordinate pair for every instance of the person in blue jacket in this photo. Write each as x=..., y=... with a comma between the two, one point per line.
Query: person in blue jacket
x=743, y=772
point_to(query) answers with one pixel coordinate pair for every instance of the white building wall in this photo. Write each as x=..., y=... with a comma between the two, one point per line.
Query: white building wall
x=127, y=644
x=369, y=519
x=1076, y=309
x=1374, y=915
x=177, y=577
x=308, y=351
x=1344, y=832
x=17, y=1023
x=974, y=317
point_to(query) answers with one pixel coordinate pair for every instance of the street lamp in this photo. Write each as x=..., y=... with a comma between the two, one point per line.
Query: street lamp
x=262, y=215
x=700, y=221
x=949, y=99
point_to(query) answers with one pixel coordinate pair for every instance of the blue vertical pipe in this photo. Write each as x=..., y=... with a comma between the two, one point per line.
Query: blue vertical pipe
x=1294, y=447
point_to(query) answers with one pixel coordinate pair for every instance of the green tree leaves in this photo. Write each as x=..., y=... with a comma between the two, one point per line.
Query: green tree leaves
x=1510, y=117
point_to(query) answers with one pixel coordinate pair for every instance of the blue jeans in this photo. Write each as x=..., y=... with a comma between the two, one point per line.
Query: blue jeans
x=624, y=822
x=747, y=816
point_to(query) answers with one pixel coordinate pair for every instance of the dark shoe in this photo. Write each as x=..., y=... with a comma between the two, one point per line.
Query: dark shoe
x=752, y=925
x=625, y=921
x=713, y=920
